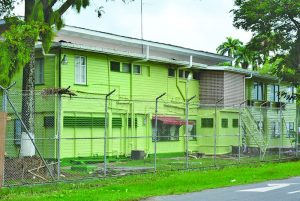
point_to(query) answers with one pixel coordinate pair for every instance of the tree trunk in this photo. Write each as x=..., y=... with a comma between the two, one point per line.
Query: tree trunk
x=28, y=94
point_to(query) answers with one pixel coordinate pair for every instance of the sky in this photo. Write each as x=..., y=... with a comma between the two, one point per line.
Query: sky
x=197, y=24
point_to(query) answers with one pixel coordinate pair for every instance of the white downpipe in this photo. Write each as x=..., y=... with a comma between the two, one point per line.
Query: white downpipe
x=49, y=55
x=147, y=52
x=191, y=61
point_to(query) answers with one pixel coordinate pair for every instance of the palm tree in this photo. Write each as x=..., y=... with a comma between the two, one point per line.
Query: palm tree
x=229, y=47
x=243, y=57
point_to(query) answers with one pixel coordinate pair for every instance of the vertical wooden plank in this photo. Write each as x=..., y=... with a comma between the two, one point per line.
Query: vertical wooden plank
x=3, y=119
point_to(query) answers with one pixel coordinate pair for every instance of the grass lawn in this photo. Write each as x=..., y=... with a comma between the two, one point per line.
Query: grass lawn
x=135, y=187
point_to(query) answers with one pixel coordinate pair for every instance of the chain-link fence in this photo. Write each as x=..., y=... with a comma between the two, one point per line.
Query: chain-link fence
x=60, y=137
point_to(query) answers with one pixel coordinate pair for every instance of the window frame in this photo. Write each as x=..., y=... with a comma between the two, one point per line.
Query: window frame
x=205, y=122
x=235, y=124
x=275, y=93
x=193, y=135
x=41, y=76
x=164, y=132
x=80, y=66
x=171, y=70
x=110, y=66
x=291, y=93
x=256, y=92
x=224, y=123
x=134, y=67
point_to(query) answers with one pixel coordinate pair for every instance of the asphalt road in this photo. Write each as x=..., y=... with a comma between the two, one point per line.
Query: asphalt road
x=275, y=190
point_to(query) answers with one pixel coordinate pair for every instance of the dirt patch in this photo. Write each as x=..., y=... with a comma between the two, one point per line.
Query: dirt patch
x=27, y=169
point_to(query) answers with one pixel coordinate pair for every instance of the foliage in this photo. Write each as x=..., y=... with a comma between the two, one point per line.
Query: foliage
x=275, y=25
x=243, y=56
x=229, y=47
x=136, y=187
x=15, y=49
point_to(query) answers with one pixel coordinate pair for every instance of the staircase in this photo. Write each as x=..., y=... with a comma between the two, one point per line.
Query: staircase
x=251, y=130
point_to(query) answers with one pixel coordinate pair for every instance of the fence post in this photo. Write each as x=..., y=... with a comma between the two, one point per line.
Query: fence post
x=4, y=101
x=281, y=130
x=59, y=114
x=105, y=129
x=187, y=130
x=297, y=132
x=156, y=131
x=215, y=130
x=239, y=136
x=3, y=119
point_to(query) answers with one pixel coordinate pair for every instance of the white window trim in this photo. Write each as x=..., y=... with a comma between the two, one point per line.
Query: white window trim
x=81, y=82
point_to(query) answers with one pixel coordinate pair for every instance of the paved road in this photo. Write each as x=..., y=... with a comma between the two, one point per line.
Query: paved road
x=276, y=190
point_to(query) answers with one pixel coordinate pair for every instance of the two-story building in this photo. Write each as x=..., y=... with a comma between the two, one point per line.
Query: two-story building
x=94, y=63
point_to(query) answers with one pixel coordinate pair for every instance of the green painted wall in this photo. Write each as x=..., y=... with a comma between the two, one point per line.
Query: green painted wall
x=135, y=99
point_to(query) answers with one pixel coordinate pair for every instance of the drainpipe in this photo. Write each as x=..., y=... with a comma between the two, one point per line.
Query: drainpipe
x=191, y=61
x=246, y=78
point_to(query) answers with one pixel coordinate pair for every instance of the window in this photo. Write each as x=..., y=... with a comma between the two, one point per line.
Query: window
x=291, y=126
x=80, y=70
x=196, y=75
x=207, y=122
x=290, y=95
x=181, y=73
x=115, y=66
x=235, y=123
x=275, y=129
x=171, y=72
x=224, y=123
x=275, y=93
x=192, y=131
x=39, y=71
x=126, y=67
x=49, y=122
x=137, y=69
x=260, y=125
x=18, y=132
x=165, y=132
x=184, y=73
x=258, y=91
x=90, y=122
x=290, y=129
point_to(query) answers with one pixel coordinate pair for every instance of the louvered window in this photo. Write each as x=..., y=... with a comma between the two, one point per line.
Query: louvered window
x=224, y=123
x=96, y=122
x=235, y=123
x=80, y=70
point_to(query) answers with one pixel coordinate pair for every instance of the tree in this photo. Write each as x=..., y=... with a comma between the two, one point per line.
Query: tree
x=229, y=47
x=275, y=25
x=41, y=16
x=243, y=56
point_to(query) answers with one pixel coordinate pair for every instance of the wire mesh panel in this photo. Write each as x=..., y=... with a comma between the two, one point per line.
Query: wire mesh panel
x=96, y=135
x=30, y=151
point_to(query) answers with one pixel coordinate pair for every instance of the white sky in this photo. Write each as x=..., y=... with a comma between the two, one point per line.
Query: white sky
x=196, y=24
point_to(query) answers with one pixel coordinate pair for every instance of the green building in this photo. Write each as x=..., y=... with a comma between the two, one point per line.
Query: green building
x=94, y=63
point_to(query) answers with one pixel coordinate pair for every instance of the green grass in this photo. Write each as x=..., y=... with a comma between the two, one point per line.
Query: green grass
x=135, y=187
